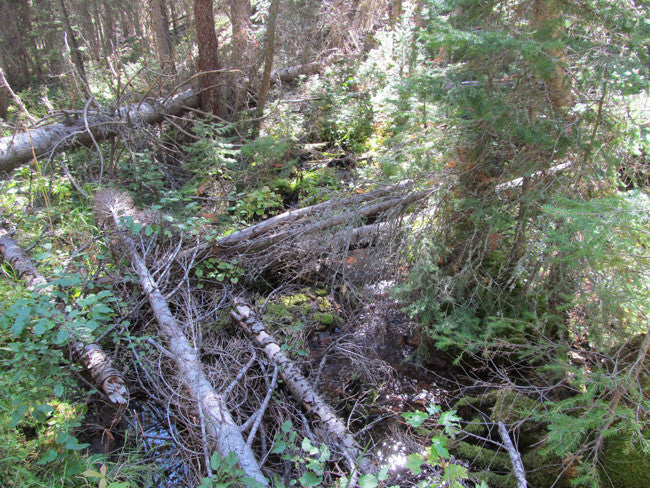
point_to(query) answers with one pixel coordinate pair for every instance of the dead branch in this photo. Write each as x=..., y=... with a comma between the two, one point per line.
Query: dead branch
x=515, y=458
x=299, y=385
x=90, y=356
x=219, y=424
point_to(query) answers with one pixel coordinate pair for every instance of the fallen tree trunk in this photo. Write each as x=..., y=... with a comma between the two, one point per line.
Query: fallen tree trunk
x=299, y=385
x=49, y=139
x=278, y=229
x=21, y=148
x=91, y=356
x=219, y=423
x=290, y=74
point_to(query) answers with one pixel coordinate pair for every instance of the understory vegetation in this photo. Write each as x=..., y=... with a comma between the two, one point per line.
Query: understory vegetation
x=442, y=220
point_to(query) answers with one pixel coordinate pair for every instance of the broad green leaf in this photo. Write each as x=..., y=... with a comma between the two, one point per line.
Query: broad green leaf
x=308, y=447
x=433, y=409
x=454, y=473
x=414, y=463
x=279, y=447
x=310, y=479
x=62, y=336
x=231, y=459
x=20, y=321
x=252, y=483
x=324, y=453
x=450, y=422
x=316, y=466
x=415, y=419
x=41, y=326
x=48, y=457
x=18, y=415
x=438, y=449
x=368, y=481
x=91, y=473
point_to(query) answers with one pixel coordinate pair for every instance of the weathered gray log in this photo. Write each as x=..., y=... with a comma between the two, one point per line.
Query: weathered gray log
x=289, y=74
x=299, y=385
x=277, y=229
x=220, y=426
x=21, y=148
x=49, y=139
x=91, y=356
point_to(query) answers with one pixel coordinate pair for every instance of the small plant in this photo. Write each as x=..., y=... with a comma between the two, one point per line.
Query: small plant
x=212, y=269
x=227, y=474
x=256, y=204
x=104, y=479
x=311, y=458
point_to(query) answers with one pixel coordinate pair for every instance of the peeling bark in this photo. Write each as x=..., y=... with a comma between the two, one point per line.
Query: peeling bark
x=220, y=426
x=299, y=385
x=90, y=356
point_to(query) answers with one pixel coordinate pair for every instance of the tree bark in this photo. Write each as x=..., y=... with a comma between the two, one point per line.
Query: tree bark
x=220, y=425
x=75, y=53
x=270, y=232
x=547, y=19
x=21, y=148
x=299, y=385
x=164, y=47
x=240, y=20
x=14, y=32
x=269, y=47
x=396, y=9
x=242, y=51
x=286, y=75
x=209, y=67
x=515, y=457
x=91, y=356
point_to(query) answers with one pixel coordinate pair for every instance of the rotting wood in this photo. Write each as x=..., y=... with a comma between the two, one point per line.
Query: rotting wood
x=219, y=424
x=300, y=386
x=91, y=356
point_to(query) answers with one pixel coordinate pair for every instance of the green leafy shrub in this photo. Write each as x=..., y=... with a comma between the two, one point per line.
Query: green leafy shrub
x=39, y=409
x=342, y=114
x=256, y=204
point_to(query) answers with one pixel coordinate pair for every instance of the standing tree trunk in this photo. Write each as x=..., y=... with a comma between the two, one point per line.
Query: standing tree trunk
x=75, y=53
x=242, y=51
x=269, y=47
x=396, y=9
x=164, y=47
x=209, y=86
x=418, y=17
x=547, y=19
x=13, y=35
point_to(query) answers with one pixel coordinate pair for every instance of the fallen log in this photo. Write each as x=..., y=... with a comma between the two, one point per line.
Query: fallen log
x=36, y=142
x=300, y=386
x=90, y=356
x=286, y=228
x=287, y=75
x=219, y=424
